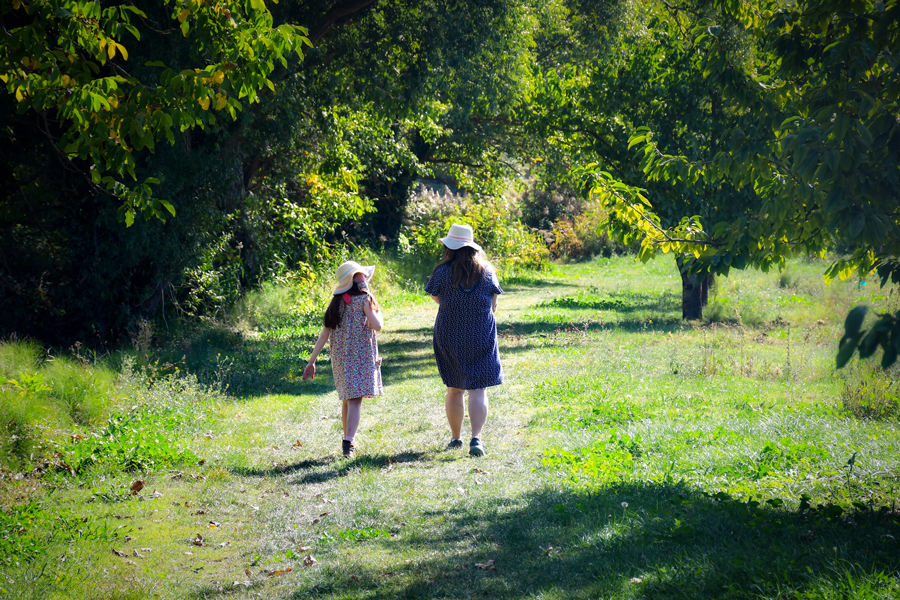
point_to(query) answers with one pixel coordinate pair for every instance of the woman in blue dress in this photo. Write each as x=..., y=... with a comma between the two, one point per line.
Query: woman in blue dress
x=465, y=287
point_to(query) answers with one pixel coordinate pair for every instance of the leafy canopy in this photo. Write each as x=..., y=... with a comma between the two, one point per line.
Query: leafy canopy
x=69, y=59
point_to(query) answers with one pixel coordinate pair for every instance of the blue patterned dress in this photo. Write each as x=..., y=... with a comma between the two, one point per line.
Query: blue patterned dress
x=465, y=332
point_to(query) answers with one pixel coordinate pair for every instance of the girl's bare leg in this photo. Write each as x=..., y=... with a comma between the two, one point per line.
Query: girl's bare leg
x=344, y=420
x=455, y=411
x=354, y=408
x=478, y=410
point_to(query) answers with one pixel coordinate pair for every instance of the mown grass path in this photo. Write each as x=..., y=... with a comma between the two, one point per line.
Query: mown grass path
x=692, y=446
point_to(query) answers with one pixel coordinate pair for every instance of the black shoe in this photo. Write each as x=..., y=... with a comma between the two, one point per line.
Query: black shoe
x=348, y=448
x=476, y=448
x=454, y=444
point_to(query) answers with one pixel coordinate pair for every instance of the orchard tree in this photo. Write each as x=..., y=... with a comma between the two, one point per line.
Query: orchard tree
x=621, y=68
x=825, y=156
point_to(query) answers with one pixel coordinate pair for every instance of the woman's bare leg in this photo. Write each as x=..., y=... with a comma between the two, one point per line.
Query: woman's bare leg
x=478, y=410
x=455, y=411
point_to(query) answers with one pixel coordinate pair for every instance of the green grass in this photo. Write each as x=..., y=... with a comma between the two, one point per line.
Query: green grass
x=629, y=456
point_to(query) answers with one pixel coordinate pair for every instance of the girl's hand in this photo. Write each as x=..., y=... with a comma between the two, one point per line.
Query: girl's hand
x=309, y=372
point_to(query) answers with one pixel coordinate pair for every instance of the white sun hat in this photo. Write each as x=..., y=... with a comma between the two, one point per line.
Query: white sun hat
x=459, y=236
x=346, y=272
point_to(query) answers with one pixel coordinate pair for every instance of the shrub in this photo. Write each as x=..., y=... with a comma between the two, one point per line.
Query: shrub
x=49, y=411
x=506, y=241
x=870, y=393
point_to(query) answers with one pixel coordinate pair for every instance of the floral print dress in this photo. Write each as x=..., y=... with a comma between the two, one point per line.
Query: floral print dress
x=355, y=361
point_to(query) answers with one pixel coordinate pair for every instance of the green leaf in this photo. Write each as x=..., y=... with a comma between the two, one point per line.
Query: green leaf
x=168, y=206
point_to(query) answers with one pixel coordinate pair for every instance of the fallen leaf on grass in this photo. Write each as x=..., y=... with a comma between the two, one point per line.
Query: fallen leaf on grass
x=130, y=562
x=324, y=514
x=635, y=580
x=477, y=481
x=309, y=560
x=188, y=553
x=278, y=572
x=482, y=471
x=248, y=573
x=137, y=486
x=461, y=490
x=119, y=553
x=355, y=578
x=201, y=462
x=137, y=554
x=304, y=548
x=127, y=538
x=487, y=566
x=296, y=444
x=212, y=524
x=198, y=541
x=146, y=549
x=314, y=521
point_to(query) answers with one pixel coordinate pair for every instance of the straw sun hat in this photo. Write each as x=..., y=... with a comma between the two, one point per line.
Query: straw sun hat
x=459, y=236
x=346, y=272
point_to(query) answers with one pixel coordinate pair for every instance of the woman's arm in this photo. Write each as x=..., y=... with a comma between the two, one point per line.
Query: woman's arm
x=310, y=371
x=436, y=299
x=373, y=317
x=494, y=303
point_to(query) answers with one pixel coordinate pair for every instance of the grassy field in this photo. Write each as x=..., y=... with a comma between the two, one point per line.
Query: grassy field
x=629, y=455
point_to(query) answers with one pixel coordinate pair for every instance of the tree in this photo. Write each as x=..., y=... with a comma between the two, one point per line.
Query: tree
x=825, y=155
x=68, y=59
x=649, y=75
x=391, y=91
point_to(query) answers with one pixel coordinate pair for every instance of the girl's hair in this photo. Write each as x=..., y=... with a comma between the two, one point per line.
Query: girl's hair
x=467, y=265
x=332, y=318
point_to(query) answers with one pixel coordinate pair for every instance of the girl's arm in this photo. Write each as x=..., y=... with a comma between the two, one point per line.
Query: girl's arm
x=310, y=371
x=494, y=303
x=436, y=299
x=373, y=317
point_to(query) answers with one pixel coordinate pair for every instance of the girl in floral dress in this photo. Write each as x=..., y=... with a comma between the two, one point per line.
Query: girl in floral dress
x=351, y=320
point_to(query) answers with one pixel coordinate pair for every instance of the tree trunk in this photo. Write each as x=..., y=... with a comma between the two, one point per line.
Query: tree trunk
x=708, y=282
x=694, y=293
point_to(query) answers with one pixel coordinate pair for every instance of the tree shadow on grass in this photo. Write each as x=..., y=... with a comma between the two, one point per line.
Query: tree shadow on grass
x=649, y=540
x=523, y=284
x=287, y=469
x=550, y=329
x=361, y=462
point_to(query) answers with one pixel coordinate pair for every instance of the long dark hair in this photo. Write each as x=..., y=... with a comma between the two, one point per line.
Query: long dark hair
x=467, y=265
x=332, y=318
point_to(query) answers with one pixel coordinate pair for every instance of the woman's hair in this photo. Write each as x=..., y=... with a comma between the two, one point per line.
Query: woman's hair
x=467, y=265
x=332, y=318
